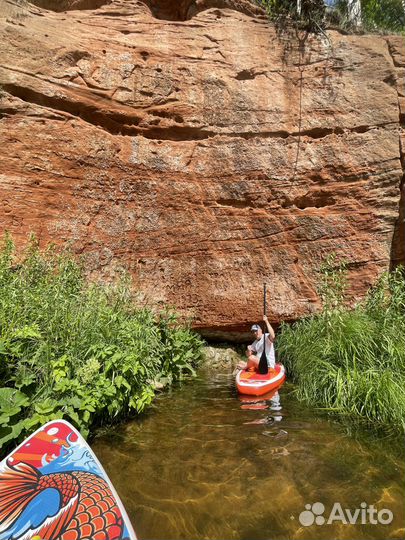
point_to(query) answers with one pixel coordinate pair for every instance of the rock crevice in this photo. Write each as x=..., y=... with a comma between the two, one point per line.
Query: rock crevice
x=396, y=50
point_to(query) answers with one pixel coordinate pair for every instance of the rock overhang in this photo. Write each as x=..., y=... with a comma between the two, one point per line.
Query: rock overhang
x=169, y=10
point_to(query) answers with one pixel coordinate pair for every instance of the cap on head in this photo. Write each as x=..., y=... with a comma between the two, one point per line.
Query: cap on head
x=254, y=328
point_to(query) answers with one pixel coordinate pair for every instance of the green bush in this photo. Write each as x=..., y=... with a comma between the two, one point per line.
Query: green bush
x=81, y=351
x=316, y=15
x=352, y=361
x=376, y=15
x=311, y=16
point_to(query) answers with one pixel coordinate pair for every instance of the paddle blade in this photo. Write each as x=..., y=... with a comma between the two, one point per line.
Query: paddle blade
x=263, y=368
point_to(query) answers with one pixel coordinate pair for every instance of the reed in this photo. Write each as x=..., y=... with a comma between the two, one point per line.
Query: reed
x=351, y=361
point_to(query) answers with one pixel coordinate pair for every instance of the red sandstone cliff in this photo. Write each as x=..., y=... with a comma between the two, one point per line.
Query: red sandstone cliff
x=203, y=150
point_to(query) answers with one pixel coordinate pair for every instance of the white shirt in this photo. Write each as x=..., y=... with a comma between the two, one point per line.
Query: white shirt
x=258, y=345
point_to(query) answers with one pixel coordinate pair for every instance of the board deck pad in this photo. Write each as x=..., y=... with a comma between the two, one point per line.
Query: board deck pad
x=52, y=487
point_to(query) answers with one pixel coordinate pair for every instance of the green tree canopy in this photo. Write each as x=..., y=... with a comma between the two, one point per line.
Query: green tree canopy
x=368, y=15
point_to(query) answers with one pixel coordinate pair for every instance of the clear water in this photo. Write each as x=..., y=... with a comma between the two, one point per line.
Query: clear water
x=202, y=464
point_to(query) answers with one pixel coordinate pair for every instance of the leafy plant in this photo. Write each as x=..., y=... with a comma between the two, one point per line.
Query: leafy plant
x=376, y=15
x=308, y=14
x=350, y=15
x=81, y=351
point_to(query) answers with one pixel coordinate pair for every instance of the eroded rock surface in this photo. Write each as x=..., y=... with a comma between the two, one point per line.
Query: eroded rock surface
x=206, y=153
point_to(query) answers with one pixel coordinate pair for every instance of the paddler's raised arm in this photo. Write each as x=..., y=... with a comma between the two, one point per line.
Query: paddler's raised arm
x=270, y=330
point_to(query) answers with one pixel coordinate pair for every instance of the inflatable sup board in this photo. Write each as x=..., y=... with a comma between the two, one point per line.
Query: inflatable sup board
x=52, y=487
x=253, y=384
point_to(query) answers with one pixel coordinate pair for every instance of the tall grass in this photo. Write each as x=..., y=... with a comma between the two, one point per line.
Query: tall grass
x=352, y=361
x=81, y=351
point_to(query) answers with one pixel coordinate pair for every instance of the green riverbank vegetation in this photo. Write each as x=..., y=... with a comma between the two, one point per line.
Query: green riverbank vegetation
x=85, y=352
x=352, y=361
x=379, y=16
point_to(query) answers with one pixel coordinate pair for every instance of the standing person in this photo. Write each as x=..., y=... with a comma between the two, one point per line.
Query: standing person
x=258, y=343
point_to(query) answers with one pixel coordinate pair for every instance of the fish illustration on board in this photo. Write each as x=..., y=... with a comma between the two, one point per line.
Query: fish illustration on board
x=52, y=487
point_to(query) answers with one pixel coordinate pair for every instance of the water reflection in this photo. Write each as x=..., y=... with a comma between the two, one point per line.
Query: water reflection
x=270, y=402
x=208, y=464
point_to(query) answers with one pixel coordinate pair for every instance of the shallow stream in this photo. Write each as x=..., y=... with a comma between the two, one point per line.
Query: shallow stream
x=202, y=464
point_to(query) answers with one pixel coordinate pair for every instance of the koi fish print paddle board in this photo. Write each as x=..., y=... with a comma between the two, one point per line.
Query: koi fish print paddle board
x=52, y=487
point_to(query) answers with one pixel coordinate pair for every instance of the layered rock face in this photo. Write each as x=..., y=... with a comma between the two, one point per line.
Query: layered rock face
x=202, y=149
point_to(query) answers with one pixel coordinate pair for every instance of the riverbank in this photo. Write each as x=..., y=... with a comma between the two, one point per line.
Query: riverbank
x=86, y=352
x=346, y=360
x=351, y=361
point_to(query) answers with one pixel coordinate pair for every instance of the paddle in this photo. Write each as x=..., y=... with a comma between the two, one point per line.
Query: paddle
x=263, y=368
